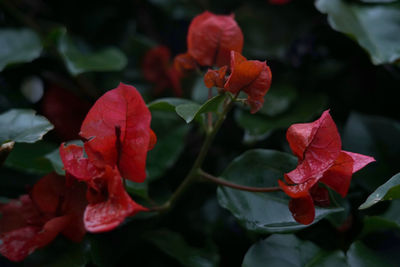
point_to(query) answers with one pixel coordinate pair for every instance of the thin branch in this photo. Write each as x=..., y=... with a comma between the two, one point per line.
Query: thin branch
x=222, y=182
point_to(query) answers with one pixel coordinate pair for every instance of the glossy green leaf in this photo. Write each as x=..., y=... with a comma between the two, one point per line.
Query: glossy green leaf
x=390, y=219
x=377, y=137
x=138, y=189
x=258, y=127
x=175, y=246
x=262, y=212
x=168, y=103
x=18, y=46
x=31, y=158
x=388, y=191
x=23, y=126
x=171, y=132
x=359, y=255
x=191, y=111
x=289, y=251
x=375, y=27
x=278, y=100
x=199, y=91
x=77, y=61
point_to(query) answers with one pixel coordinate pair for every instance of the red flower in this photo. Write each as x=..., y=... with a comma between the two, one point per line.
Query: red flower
x=317, y=145
x=250, y=76
x=54, y=206
x=158, y=70
x=211, y=38
x=118, y=134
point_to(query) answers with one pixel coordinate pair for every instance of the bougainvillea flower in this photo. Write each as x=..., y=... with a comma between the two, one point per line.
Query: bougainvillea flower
x=211, y=38
x=54, y=206
x=157, y=69
x=65, y=111
x=184, y=63
x=117, y=130
x=109, y=204
x=250, y=76
x=321, y=159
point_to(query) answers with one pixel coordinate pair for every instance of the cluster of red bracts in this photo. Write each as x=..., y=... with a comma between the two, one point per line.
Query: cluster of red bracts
x=118, y=137
x=321, y=159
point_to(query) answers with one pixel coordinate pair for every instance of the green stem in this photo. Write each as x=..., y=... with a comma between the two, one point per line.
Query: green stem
x=194, y=171
x=222, y=182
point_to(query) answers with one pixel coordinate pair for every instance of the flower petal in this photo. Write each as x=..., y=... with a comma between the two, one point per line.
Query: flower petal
x=48, y=192
x=76, y=164
x=298, y=190
x=120, y=112
x=211, y=38
x=302, y=209
x=316, y=144
x=108, y=214
x=360, y=161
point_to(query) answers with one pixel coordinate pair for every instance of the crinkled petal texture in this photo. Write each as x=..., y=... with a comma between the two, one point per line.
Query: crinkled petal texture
x=317, y=145
x=211, y=38
x=215, y=77
x=106, y=215
x=250, y=76
x=33, y=221
x=118, y=132
x=184, y=63
x=318, y=148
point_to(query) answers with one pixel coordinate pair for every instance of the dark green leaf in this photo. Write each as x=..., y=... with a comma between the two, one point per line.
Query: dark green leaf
x=199, y=91
x=359, y=255
x=258, y=126
x=388, y=191
x=377, y=137
x=139, y=189
x=23, y=126
x=190, y=111
x=375, y=27
x=289, y=251
x=31, y=158
x=175, y=246
x=262, y=212
x=77, y=62
x=390, y=219
x=168, y=104
x=278, y=100
x=18, y=46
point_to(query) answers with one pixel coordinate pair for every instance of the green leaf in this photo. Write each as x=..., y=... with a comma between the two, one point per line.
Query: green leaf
x=390, y=219
x=262, y=212
x=288, y=250
x=377, y=137
x=23, y=126
x=171, y=132
x=31, y=158
x=18, y=46
x=175, y=246
x=139, y=189
x=258, y=127
x=191, y=111
x=388, y=191
x=278, y=100
x=77, y=61
x=375, y=27
x=168, y=103
x=359, y=255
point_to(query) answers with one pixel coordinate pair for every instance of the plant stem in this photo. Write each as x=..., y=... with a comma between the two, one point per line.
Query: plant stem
x=194, y=171
x=222, y=182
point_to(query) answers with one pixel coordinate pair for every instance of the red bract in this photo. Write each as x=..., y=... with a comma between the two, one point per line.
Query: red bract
x=32, y=221
x=211, y=38
x=117, y=130
x=317, y=146
x=118, y=134
x=158, y=70
x=250, y=76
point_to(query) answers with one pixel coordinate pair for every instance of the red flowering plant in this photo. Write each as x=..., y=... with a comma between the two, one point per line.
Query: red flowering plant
x=118, y=136
x=123, y=190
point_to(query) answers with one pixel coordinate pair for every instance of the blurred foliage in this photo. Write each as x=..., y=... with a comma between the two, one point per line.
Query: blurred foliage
x=336, y=54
